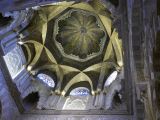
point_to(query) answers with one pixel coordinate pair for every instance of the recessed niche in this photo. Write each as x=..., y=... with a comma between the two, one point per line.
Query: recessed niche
x=30, y=102
x=115, y=2
x=5, y=20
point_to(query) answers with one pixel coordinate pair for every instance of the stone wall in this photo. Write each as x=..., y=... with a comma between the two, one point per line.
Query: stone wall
x=137, y=25
x=74, y=117
x=11, y=89
x=143, y=32
x=9, y=108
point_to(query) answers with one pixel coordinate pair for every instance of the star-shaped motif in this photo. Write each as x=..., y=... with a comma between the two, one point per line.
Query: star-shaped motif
x=45, y=59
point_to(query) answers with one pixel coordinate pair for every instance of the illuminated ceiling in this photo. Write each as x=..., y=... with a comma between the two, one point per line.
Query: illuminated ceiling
x=76, y=42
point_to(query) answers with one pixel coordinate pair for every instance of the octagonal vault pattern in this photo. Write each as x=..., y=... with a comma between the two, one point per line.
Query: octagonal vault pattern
x=52, y=39
x=79, y=35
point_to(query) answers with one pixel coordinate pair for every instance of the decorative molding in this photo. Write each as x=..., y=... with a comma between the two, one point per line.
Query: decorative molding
x=10, y=34
x=23, y=82
x=73, y=117
x=20, y=5
x=15, y=61
x=9, y=108
x=8, y=42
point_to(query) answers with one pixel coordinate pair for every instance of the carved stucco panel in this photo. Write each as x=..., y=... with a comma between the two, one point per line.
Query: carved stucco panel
x=14, y=61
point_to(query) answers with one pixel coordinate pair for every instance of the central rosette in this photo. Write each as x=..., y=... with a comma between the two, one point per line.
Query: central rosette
x=80, y=34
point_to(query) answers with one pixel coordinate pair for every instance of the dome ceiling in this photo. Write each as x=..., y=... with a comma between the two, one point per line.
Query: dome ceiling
x=79, y=35
x=76, y=42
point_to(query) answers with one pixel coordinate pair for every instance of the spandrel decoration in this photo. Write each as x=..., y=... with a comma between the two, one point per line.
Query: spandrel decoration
x=15, y=61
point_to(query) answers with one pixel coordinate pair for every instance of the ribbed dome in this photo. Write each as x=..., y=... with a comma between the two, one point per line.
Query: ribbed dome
x=79, y=34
